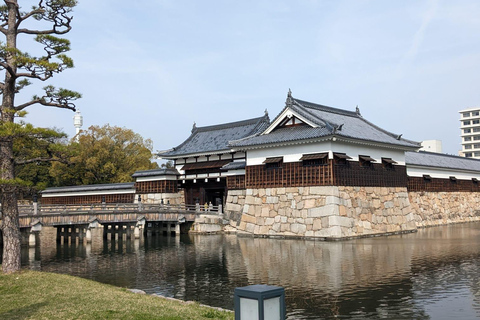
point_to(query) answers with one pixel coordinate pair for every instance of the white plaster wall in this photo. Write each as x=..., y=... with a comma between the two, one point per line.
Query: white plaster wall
x=294, y=153
x=416, y=171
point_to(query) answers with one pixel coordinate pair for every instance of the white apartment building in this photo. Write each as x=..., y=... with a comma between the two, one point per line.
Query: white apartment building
x=470, y=132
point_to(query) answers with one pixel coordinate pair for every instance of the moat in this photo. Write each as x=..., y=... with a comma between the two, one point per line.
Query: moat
x=431, y=274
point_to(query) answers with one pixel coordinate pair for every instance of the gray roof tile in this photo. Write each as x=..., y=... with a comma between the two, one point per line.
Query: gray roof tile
x=236, y=165
x=155, y=172
x=91, y=187
x=440, y=160
x=216, y=138
x=330, y=121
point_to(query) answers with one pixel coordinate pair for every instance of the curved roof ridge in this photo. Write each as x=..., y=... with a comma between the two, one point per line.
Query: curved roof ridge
x=320, y=121
x=316, y=106
x=229, y=124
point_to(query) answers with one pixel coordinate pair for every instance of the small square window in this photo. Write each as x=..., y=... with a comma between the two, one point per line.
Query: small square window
x=388, y=163
x=273, y=163
x=341, y=159
x=366, y=161
x=316, y=159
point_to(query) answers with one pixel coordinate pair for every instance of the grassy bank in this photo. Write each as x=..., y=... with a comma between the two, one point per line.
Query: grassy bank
x=39, y=295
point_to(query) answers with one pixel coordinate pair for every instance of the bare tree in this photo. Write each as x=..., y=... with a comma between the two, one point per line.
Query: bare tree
x=20, y=68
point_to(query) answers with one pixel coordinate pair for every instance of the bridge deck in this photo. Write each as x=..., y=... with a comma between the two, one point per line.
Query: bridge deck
x=57, y=215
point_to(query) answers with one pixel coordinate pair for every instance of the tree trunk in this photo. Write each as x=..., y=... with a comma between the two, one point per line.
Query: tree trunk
x=11, y=231
x=10, y=224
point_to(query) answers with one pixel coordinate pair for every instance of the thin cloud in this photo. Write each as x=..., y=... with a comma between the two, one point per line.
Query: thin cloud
x=420, y=34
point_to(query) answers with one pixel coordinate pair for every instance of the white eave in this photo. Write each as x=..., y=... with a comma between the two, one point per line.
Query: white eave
x=327, y=138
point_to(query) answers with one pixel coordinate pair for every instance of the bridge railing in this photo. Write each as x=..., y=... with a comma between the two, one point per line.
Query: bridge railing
x=116, y=207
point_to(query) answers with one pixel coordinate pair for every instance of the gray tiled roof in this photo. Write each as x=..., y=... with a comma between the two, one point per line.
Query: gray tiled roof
x=155, y=172
x=236, y=165
x=91, y=187
x=439, y=160
x=330, y=121
x=216, y=138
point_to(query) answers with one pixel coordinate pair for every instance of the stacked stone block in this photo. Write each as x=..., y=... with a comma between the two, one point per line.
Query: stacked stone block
x=321, y=212
x=439, y=208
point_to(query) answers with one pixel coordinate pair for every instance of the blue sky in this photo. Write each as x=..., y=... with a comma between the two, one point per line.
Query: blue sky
x=156, y=66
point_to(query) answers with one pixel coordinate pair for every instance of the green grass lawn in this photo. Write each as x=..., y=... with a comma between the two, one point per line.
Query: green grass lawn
x=39, y=295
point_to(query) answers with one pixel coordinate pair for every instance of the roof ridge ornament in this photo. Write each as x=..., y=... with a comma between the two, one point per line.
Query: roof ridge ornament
x=289, y=101
x=357, y=111
x=266, y=112
x=194, y=127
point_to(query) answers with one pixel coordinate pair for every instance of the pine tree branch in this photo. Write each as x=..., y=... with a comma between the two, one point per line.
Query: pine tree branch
x=58, y=98
x=34, y=75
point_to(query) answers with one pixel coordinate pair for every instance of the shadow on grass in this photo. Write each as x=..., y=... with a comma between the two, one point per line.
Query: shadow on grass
x=23, y=313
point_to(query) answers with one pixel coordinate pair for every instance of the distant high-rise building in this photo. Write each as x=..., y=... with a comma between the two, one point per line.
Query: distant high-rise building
x=470, y=132
x=432, y=146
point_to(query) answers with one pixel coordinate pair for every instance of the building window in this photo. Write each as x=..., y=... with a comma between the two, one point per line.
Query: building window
x=388, y=163
x=476, y=154
x=466, y=114
x=273, y=163
x=475, y=180
x=476, y=138
x=427, y=177
x=466, y=123
x=475, y=114
x=317, y=159
x=366, y=161
x=453, y=179
x=341, y=159
x=468, y=146
x=467, y=130
x=477, y=129
x=468, y=155
x=476, y=146
x=467, y=138
x=475, y=121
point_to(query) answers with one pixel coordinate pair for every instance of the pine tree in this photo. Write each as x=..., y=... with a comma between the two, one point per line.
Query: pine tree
x=20, y=68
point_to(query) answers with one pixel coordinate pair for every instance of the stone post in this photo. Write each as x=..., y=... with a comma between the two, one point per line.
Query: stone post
x=136, y=232
x=177, y=228
x=31, y=240
x=88, y=236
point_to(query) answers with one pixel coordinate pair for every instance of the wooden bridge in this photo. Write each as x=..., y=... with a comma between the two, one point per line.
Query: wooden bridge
x=75, y=221
x=57, y=215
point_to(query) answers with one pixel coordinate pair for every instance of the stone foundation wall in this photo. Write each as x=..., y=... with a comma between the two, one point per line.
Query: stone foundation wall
x=172, y=198
x=322, y=212
x=437, y=208
x=234, y=207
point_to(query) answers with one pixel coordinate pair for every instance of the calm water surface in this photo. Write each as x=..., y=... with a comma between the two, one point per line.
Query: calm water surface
x=431, y=274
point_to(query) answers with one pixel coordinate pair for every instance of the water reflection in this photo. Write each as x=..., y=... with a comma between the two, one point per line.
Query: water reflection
x=432, y=274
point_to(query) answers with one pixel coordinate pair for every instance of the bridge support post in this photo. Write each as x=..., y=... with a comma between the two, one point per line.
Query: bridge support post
x=136, y=232
x=36, y=226
x=177, y=228
x=169, y=228
x=88, y=235
x=31, y=240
